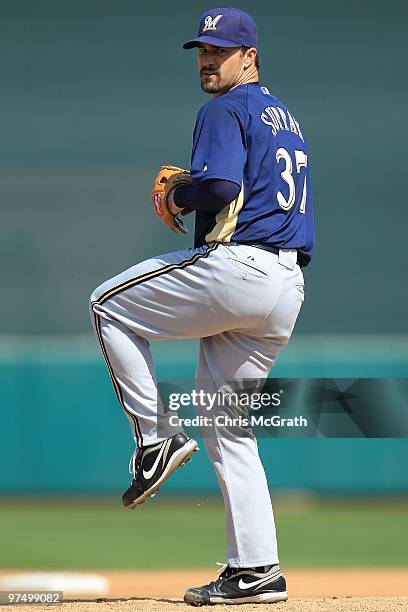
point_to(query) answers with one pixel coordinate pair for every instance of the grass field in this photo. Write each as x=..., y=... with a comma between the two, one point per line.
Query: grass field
x=186, y=532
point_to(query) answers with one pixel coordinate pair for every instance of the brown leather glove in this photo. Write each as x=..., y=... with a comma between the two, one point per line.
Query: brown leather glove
x=167, y=179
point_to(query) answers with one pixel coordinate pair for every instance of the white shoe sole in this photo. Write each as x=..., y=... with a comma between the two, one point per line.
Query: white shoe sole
x=273, y=597
x=179, y=458
x=260, y=598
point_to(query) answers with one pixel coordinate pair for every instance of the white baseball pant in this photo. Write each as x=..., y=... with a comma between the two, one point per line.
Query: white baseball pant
x=242, y=302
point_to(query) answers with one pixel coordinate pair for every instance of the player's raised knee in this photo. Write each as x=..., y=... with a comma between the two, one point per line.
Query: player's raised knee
x=93, y=299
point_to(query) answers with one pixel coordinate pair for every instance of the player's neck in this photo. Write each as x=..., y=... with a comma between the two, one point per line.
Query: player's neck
x=251, y=76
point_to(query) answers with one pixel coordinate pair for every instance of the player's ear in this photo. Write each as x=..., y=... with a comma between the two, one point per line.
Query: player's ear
x=249, y=56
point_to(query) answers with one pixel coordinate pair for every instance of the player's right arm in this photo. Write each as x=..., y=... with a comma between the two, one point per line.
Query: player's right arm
x=211, y=195
x=217, y=161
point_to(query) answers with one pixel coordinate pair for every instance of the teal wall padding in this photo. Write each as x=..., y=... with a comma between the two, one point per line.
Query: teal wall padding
x=62, y=429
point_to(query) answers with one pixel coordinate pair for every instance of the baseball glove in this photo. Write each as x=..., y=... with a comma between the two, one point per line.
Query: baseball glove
x=168, y=178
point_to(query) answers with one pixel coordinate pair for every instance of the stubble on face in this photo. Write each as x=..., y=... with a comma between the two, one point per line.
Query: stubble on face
x=211, y=83
x=222, y=69
x=219, y=69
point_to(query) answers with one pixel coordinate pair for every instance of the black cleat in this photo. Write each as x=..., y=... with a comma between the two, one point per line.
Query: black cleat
x=152, y=465
x=237, y=585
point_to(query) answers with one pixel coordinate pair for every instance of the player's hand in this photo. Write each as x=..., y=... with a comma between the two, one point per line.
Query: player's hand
x=167, y=179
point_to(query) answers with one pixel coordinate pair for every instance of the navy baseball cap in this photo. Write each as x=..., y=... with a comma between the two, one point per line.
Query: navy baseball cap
x=225, y=27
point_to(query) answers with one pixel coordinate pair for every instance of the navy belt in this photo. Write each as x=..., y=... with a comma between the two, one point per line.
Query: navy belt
x=301, y=260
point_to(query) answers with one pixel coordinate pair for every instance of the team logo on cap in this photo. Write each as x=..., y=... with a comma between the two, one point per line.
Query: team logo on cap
x=210, y=23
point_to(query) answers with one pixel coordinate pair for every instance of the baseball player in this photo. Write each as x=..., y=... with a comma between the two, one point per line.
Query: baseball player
x=239, y=289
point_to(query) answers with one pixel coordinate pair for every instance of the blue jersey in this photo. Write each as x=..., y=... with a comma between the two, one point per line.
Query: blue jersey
x=249, y=137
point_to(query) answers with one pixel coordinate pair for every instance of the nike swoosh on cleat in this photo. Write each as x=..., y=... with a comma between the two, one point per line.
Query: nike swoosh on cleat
x=149, y=473
x=247, y=585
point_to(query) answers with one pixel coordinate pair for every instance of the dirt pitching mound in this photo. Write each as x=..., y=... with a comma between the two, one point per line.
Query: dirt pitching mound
x=343, y=604
x=319, y=590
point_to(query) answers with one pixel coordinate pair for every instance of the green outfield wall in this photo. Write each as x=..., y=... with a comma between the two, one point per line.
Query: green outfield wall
x=96, y=95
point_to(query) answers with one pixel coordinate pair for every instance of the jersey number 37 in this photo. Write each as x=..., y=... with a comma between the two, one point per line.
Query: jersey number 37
x=287, y=176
